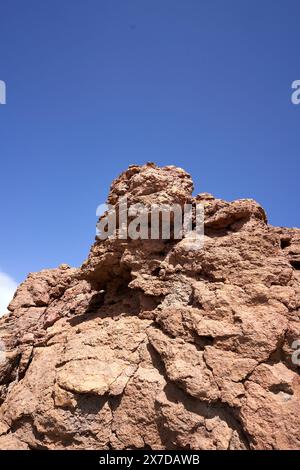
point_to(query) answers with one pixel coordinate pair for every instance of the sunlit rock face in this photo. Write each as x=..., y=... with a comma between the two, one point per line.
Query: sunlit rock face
x=152, y=345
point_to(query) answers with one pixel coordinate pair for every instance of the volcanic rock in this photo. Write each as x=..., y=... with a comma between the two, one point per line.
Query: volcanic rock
x=150, y=345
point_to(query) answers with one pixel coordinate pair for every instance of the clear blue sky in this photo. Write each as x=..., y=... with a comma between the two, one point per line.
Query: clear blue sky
x=96, y=85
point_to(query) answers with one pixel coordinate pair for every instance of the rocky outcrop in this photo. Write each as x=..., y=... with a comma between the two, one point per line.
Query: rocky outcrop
x=152, y=345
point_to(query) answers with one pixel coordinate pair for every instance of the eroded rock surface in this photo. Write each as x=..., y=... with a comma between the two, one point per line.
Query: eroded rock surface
x=151, y=345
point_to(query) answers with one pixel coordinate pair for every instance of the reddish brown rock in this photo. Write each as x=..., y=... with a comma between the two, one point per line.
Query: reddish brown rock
x=152, y=345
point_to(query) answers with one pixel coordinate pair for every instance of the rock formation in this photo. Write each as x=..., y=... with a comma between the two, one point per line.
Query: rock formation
x=151, y=346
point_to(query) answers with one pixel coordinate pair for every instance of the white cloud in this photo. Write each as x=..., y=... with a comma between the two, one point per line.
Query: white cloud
x=7, y=289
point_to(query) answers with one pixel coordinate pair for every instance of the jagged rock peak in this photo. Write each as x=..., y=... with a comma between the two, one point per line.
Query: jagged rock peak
x=151, y=345
x=152, y=184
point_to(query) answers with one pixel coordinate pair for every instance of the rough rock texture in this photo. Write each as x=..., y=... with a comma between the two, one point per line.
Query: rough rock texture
x=150, y=345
